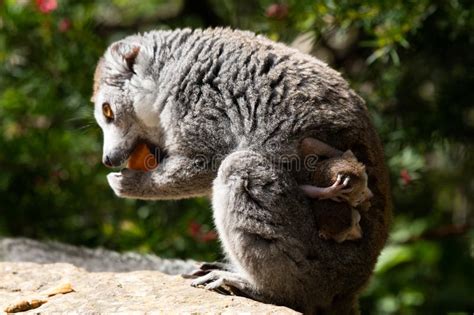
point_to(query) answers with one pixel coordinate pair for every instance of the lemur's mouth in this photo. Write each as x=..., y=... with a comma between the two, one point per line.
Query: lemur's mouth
x=145, y=156
x=158, y=153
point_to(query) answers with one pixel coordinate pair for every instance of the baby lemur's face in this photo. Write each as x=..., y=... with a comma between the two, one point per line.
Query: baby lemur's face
x=361, y=192
x=122, y=107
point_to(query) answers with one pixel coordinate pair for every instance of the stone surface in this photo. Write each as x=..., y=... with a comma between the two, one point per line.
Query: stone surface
x=111, y=292
x=27, y=250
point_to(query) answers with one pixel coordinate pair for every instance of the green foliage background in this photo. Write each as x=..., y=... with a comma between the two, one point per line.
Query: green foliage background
x=412, y=61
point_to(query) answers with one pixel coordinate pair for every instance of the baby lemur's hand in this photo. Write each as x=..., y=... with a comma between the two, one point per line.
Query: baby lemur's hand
x=354, y=196
x=337, y=191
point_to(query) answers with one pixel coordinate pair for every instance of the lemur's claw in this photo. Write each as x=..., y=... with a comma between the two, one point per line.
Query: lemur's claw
x=338, y=181
x=206, y=268
x=214, y=266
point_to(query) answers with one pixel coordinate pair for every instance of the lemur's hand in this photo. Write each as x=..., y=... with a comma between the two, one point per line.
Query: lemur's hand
x=176, y=177
x=339, y=191
x=130, y=183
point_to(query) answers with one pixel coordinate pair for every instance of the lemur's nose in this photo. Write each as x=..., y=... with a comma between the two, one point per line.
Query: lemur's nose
x=107, y=162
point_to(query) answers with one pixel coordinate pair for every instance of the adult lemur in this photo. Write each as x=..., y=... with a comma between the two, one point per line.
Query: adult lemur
x=223, y=107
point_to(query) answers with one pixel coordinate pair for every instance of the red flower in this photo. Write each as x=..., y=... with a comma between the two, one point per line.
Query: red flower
x=277, y=11
x=46, y=6
x=194, y=229
x=209, y=236
x=64, y=25
x=405, y=176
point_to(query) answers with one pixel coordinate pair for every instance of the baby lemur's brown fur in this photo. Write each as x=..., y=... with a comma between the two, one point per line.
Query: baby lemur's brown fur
x=339, y=185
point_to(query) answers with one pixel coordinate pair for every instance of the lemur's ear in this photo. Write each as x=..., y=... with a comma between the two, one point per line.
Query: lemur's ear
x=348, y=154
x=127, y=52
x=131, y=56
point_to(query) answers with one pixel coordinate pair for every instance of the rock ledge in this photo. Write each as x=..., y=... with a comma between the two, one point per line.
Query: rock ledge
x=138, y=291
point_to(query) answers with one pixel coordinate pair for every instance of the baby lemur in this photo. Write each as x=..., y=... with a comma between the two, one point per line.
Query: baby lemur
x=340, y=177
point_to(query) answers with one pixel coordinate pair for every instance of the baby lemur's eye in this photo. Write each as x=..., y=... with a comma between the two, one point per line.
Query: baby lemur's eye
x=107, y=111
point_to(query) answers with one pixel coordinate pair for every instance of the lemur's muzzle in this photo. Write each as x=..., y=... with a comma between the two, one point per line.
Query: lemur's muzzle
x=119, y=159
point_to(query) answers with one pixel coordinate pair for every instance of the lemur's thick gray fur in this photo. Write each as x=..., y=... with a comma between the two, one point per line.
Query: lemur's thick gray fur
x=225, y=106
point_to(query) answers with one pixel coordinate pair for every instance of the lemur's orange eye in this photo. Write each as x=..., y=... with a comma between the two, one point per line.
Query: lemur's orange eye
x=107, y=111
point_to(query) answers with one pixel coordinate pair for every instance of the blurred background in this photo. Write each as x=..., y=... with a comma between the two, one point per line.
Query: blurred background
x=412, y=61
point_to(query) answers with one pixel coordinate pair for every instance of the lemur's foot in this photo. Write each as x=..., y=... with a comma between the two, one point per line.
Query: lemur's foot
x=225, y=282
x=206, y=268
x=337, y=191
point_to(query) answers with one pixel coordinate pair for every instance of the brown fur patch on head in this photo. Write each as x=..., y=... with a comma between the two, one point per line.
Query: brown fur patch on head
x=97, y=79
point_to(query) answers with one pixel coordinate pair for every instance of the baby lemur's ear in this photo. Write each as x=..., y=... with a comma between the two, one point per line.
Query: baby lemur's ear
x=311, y=145
x=126, y=53
x=349, y=154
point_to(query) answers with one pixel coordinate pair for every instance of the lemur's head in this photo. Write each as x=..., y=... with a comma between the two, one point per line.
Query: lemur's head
x=124, y=92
